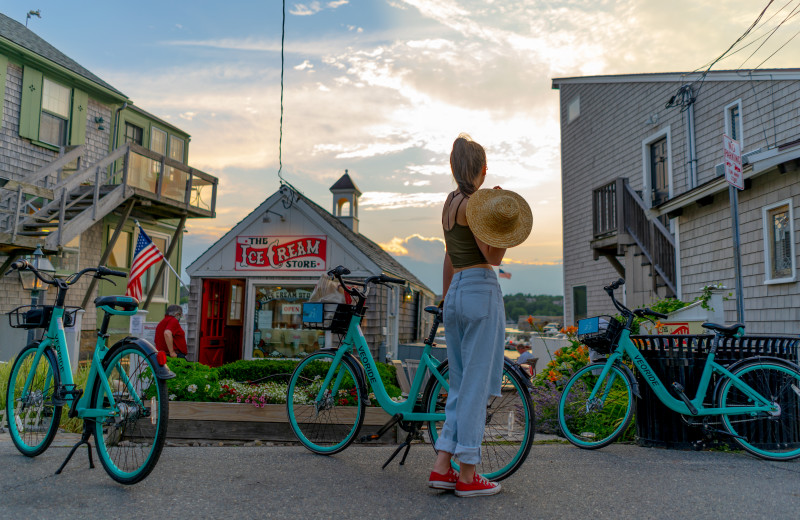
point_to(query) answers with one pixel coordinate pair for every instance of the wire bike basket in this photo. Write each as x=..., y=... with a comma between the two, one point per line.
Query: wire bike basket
x=334, y=317
x=599, y=333
x=38, y=316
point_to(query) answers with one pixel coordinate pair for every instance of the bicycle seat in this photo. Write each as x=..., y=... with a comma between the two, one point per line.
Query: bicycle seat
x=731, y=330
x=433, y=309
x=126, y=303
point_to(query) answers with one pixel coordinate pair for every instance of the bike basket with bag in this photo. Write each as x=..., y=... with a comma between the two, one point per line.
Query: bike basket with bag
x=38, y=316
x=334, y=317
x=599, y=333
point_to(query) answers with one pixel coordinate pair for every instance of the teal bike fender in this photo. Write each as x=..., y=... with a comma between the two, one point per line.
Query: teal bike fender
x=734, y=366
x=361, y=375
x=161, y=372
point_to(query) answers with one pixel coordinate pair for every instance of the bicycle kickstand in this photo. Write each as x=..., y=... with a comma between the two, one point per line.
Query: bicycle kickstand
x=407, y=445
x=87, y=434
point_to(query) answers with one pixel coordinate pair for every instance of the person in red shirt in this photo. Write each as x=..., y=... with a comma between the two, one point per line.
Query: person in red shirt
x=170, y=336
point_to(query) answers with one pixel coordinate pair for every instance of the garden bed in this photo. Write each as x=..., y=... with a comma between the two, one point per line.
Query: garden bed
x=245, y=422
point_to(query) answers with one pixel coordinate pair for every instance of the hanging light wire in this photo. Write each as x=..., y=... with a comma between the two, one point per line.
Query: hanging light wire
x=280, y=133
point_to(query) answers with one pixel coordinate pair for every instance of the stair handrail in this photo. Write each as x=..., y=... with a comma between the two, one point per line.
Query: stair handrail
x=655, y=241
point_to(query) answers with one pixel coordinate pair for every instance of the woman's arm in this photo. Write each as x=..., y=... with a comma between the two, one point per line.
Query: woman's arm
x=447, y=274
x=493, y=255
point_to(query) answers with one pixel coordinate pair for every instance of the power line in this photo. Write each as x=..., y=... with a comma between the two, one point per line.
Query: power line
x=280, y=132
x=771, y=33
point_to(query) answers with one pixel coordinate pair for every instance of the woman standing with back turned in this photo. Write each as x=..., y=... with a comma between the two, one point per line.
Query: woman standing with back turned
x=478, y=227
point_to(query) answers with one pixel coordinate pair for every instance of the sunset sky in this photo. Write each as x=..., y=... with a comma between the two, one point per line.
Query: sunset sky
x=382, y=87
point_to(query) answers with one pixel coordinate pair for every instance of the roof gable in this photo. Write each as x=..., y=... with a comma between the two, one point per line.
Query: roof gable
x=356, y=244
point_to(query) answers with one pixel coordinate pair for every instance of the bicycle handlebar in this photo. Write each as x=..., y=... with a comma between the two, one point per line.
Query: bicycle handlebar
x=609, y=289
x=25, y=265
x=341, y=270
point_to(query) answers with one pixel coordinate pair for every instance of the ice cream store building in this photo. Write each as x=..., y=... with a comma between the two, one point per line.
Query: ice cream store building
x=247, y=290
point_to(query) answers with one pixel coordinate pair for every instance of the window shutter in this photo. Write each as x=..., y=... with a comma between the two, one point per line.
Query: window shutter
x=80, y=111
x=31, y=107
x=3, y=69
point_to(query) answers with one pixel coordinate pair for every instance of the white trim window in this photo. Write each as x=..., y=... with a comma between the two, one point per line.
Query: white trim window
x=657, y=167
x=779, y=250
x=733, y=122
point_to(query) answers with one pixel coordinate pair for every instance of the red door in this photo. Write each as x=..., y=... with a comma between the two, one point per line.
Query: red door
x=212, y=323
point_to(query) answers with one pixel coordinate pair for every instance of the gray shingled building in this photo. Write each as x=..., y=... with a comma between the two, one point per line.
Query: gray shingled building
x=644, y=195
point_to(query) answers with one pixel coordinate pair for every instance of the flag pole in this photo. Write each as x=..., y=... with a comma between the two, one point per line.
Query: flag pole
x=164, y=259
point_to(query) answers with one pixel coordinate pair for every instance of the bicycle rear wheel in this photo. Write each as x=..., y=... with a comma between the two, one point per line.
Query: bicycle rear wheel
x=592, y=423
x=772, y=436
x=509, y=430
x=325, y=424
x=32, y=415
x=130, y=442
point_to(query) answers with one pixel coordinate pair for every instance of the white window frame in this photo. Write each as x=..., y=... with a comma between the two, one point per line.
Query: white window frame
x=163, y=297
x=728, y=107
x=649, y=140
x=768, y=247
x=576, y=103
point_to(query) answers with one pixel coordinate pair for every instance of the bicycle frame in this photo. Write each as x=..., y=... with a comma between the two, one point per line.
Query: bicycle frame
x=56, y=338
x=626, y=346
x=355, y=341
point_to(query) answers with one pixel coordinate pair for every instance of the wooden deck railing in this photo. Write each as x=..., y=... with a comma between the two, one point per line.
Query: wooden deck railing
x=616, y=209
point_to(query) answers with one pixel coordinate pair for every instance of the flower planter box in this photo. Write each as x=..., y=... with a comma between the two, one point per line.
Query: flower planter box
x=245, y=422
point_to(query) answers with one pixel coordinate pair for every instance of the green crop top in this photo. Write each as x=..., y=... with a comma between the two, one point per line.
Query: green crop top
x=461, y=245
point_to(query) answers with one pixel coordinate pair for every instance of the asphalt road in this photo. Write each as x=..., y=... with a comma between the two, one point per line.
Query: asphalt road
x=557, y=481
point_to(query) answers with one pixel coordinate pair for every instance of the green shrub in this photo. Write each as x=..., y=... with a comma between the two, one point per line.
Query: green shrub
x=5, y=373
x=193, y=382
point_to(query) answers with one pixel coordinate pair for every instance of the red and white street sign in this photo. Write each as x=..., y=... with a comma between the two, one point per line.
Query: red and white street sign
x=733, y=162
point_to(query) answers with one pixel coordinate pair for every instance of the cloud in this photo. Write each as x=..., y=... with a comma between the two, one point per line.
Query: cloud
x=315, y=7
x=377, y=200
x=416, y=247
x=305, y=65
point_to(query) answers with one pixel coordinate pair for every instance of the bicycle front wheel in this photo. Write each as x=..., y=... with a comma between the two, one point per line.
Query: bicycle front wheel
x=770, y=435
x=32, y=414
x=130, y=441
x=591, y=422
x=509, y=430
x=325, y=420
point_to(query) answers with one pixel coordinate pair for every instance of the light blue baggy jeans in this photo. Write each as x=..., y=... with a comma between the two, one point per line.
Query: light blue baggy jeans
x=474, y=320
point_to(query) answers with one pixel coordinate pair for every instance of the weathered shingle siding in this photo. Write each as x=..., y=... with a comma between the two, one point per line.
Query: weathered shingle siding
x=706, y=257
x=605, y=142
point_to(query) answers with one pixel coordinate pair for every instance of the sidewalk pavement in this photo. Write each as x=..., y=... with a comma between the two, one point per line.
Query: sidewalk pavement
x=556, y=481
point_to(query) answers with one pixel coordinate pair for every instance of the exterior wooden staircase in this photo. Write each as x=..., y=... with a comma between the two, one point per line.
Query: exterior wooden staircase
x=622, y=222
x=65, y=198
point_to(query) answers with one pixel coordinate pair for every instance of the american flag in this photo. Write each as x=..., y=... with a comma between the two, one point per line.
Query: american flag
x=504, y=274
x=145, y=256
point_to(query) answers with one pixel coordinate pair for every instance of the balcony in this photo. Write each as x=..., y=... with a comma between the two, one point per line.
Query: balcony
x=172, y=187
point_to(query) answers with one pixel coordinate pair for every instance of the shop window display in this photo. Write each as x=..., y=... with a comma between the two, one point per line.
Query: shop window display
x=278, y=325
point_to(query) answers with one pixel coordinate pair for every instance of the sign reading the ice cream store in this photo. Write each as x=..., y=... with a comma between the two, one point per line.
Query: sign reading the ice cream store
x=283, y=253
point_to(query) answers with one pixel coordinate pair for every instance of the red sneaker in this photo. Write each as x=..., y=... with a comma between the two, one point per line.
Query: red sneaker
x=446, y=481
x=478, y=487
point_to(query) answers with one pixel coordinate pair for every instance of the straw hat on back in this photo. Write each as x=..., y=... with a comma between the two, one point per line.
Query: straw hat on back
x=499, y=218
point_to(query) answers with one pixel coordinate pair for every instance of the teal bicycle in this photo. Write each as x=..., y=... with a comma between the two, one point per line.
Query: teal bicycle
x=124, y=404
x=327, y=394
x=757, y=399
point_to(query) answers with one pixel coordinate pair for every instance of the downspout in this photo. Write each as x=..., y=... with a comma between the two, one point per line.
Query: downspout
x=116, y=125
x=690, y=145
